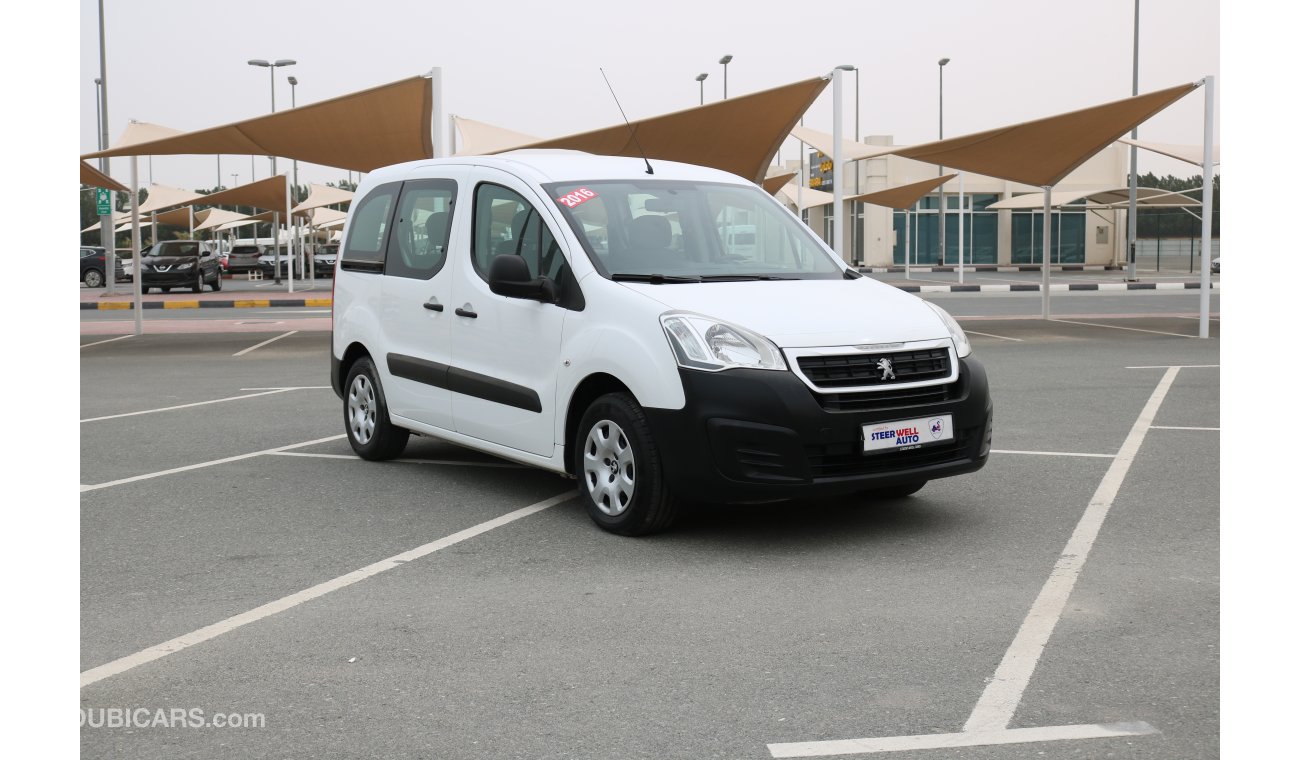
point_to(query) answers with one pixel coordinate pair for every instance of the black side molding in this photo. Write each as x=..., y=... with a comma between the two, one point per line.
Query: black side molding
x=463, y=381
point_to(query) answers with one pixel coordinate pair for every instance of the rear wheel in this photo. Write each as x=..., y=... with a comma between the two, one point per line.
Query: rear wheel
x=365, y=415
x=198, y=282
x=216, y=283
x=93, y=278
x=619, y=472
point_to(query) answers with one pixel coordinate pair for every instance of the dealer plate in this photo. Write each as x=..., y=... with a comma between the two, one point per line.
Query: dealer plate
x=903, y=435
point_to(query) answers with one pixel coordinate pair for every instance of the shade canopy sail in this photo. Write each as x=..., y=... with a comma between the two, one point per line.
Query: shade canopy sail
x=142, y=133
x=739, y=135
x=213, y=218
x=1192, y=154
x=361, y=131
x=165, y=196
x=804, y=198
x=1147, y=197
x=479, y=138
x=901, y=196
x=776, y=180
x=849, y=150
x=236, y=224
x=323, y=195
x=327, y=217
x=268, y=216
x=1043, y=151
x=95, y=178
x=178, y=217
x=270, y=193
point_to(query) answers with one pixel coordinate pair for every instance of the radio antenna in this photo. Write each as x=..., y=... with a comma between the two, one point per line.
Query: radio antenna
x=631, y=131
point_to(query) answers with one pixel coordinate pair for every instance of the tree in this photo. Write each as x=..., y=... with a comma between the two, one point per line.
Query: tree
x=1153, y=223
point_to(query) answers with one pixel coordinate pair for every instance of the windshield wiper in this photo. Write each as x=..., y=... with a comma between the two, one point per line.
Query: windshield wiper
x=653, y=279
x=744, y=277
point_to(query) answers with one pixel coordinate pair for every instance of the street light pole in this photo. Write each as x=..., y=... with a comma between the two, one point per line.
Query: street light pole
x=107, y=235
x=942, y=222
x=1132, y=162
x=293, y=103
x=701, y=79
x=279, y=63
x=724, y=60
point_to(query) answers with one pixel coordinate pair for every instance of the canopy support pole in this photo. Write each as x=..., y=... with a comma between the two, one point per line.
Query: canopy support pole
x=837, y=163
x=288, y=221
x=137, y=272
x=961, y=228
x=907, y=242
x=275, y=241
x=1207, y=207
x=1047, y=251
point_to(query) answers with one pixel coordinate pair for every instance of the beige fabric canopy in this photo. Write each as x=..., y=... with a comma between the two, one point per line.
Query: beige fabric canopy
x=739, y=135
x=774, y=181
x=1043, y=151
x=1192, y=154
x=215, y=217
x=811, y=198
x=361, y=131
x=267, y=216
x=237, y=223
x=95, y=178
x=1147, y=197
x=323, y=195
x=269, y=193
x=165, y=196
x=849, y=150
x=479, y=138
x=327, y=217
x=142, y=132
x=902, y=196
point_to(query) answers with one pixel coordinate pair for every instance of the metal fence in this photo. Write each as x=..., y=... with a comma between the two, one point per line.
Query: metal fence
x=1172, y=254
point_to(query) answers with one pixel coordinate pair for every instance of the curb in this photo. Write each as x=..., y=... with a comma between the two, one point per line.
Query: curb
x=1061, y=287
x=242, y=303
x=993, y=268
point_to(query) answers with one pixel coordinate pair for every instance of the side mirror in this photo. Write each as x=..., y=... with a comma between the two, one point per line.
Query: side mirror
x=509, y=276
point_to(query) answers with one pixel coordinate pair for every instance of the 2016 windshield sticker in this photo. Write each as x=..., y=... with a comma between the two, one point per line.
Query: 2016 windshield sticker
x=576, y=198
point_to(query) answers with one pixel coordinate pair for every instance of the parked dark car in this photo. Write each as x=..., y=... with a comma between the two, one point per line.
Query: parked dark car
x=93, y=263
x=179, y=264
x=244, y=258
x=325, y=257
x=267, y=264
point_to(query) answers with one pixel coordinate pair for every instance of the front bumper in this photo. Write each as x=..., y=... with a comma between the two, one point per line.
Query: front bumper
x=758, y=435
x=173, y=279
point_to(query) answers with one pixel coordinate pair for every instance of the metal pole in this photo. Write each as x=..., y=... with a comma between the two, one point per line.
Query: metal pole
x=107, y=231
x=837, y=163
x=943, y=227
x=275, y=240
x=451, y=133
x=1207, y=207
x=272, y=70
x=218, y=187
x=138, y=269
x=288, y=221
x=1132, y=162
x=1047, y=247
x=907, y=242
x=961, y=228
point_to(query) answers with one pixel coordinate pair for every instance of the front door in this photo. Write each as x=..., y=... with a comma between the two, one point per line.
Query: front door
x=506, y=351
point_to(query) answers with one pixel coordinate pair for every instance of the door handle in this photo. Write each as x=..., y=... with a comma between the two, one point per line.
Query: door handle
x=433, y=305
x=466, y=312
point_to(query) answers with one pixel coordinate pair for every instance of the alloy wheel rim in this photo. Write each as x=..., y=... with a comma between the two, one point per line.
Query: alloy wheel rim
x=361, y=409
x=609, y=468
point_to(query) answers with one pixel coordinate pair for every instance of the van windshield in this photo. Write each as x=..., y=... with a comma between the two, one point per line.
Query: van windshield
x=669, y=231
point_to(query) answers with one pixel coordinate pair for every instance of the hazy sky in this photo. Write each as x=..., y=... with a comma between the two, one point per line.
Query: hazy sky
x=533, y=68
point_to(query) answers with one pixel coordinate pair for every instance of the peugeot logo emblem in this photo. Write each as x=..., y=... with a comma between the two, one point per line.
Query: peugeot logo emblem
x=886, y=368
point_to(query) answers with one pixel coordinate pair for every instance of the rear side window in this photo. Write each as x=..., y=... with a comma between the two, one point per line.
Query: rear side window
x=367, y=229
x=421, y=229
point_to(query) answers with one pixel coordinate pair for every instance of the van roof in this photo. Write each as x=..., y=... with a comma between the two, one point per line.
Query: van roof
x=566, y=165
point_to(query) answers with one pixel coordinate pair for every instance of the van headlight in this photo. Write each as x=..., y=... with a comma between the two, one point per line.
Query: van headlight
x=958, y=335
x=712, y=345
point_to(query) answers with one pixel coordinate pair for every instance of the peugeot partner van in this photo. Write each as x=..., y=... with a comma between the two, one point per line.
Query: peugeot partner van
x=582, y=315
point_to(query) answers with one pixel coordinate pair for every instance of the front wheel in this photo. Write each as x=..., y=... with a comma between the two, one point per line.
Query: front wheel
x=365, y=415
x=620, y=476
x=198, y=283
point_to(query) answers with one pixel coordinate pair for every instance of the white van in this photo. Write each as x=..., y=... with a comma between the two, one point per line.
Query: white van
x=579, y=314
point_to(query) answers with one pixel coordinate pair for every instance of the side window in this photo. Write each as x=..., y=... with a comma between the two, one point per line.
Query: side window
x=364, y=248
x=421, y=229
x=506, y=224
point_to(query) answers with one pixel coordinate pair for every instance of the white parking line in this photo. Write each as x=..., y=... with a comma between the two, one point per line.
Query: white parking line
x=291, y=388
x=457, y=462
x=991, y=335
x=1179, y=366
x=200, y=465
x=206, y=633
x=1175, y=427
x=997, y=705
x=1117, y=327
x=263, y=343
x=1052, y=453
x=186, y=406
x=110, y=340
x=963, y=739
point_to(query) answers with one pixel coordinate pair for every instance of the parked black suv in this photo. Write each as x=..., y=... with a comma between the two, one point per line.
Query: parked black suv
x=179, y=264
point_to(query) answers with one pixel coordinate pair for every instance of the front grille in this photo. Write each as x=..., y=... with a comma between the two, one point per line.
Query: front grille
x=846, y=459
x=886, y=399
x=849, y=370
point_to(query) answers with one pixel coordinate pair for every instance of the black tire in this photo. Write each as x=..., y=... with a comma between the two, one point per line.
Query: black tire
x=165, y=290
x=198, y=283
x=651, y=507
x=145, y=290
x=385, y=440
x=893, y=492
x=216, y=284
x=93, y=278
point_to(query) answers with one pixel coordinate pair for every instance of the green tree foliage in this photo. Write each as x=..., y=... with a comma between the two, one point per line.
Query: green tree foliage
x=1165, y=223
